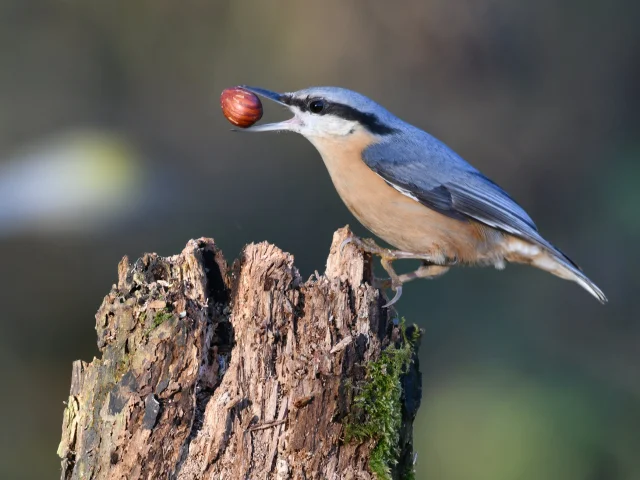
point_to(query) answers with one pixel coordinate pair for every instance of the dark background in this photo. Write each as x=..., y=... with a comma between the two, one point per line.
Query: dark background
x=112, y=143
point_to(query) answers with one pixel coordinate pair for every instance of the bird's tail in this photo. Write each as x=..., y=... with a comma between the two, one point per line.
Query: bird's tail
x=557, y=263
x=546, y=257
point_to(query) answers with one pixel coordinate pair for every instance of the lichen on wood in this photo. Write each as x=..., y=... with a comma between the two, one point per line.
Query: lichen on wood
x=247, y=372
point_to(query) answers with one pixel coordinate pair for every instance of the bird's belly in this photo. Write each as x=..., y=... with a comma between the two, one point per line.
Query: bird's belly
x=403, y=222
x=412, y=227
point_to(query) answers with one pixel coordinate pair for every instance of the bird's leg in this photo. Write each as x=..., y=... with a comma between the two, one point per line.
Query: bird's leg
x=396, y=283
x=386, y=255
x=429, y=268
x=369, y=246
x=364, y=244
x=426, y=270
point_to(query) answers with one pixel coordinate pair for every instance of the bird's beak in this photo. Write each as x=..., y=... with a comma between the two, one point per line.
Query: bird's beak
x=290, y=125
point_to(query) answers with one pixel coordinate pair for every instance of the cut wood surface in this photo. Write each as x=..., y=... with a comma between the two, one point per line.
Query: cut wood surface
x=244, y=372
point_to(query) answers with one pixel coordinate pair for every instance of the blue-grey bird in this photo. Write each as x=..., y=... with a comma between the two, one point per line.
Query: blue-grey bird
x=414, y=192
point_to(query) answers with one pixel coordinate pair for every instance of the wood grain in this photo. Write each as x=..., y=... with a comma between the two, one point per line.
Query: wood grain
x=208, y=371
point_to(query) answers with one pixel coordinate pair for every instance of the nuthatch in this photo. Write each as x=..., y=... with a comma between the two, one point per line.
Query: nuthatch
x=414, y=192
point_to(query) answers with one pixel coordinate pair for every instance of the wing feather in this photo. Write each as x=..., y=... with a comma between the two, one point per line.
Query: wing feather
x=439, y=179
x=425, y=169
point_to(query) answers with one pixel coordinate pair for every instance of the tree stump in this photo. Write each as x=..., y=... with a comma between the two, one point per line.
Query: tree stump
x=246, y=372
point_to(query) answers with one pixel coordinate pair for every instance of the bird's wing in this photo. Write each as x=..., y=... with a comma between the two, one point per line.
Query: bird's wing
x=437, y=177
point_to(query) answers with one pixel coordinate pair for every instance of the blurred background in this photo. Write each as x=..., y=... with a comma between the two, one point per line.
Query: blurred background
x=112, y=142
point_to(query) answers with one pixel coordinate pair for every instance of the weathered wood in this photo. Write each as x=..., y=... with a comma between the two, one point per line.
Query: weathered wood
x=241, y=373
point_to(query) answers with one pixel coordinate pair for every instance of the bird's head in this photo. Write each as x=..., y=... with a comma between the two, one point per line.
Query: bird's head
x=328, y=112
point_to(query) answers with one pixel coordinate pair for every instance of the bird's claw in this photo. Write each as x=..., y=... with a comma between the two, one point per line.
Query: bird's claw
x=365, y=244
x=395, y=298
x=344, y=243
x=387, y=256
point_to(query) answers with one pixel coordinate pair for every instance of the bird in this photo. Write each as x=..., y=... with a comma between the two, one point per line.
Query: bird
x=414, y=192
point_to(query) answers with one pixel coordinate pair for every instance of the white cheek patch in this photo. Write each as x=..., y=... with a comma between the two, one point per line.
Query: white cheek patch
x=325, y=125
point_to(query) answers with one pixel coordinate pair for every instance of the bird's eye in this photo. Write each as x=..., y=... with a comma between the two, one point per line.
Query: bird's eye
x=316, y=106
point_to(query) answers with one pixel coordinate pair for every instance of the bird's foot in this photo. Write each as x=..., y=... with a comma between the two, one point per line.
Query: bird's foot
x=387, y=256
x=431, y=267
x=394, y=279
x=371, y=247
x=366, y=245
x=386, y=284
x=395, y=298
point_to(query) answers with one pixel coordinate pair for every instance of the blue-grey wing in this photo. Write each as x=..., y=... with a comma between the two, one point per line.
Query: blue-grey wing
x=437, y=177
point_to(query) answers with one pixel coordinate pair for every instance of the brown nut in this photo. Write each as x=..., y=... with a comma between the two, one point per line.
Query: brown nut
x=240, y=107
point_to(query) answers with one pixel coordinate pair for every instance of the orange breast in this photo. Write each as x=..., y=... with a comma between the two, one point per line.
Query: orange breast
x=396, y=218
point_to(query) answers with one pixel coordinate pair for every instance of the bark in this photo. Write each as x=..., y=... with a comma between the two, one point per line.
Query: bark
x=246, y=372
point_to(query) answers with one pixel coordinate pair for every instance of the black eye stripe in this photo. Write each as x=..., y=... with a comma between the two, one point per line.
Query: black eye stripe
x=370, y=121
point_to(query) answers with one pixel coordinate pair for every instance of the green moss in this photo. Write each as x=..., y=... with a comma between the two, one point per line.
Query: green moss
x=159, y=318
x=377, y=411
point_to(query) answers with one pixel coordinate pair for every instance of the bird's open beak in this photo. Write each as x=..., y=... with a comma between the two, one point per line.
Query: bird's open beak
x=290, y=125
